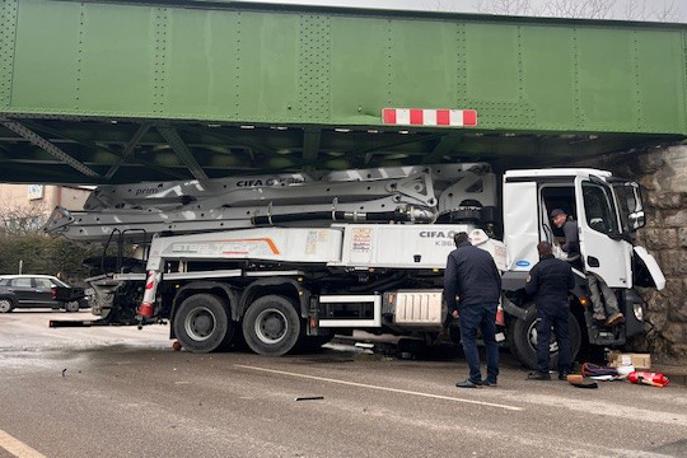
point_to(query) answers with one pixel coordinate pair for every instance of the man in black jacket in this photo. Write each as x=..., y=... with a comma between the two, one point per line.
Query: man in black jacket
x=549, y=282
x=471, y=274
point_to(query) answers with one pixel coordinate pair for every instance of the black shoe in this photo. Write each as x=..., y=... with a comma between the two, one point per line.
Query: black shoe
x=563, y=375
x=486, y=382
x=468, y=384
x=539, y=376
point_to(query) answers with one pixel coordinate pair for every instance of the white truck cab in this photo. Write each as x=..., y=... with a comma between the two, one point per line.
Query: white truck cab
x=608, y=212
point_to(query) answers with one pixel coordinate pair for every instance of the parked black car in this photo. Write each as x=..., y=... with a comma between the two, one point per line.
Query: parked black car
x=39, y=291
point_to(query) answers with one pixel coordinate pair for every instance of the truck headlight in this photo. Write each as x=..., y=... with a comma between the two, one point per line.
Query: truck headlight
x=638, y=310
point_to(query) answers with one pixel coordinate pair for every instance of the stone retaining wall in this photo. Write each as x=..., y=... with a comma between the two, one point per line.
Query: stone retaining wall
x=663, y=175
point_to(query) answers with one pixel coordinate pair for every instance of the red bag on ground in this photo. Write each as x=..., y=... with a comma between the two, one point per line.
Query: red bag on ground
x=649, y=378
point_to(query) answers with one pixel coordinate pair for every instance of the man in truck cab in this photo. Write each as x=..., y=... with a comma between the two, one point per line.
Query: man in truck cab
x=472, y=275
x=549, y=283
x=604, y=301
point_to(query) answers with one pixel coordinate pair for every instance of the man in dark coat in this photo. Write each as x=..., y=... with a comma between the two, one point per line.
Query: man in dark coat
x=549, y=283
x=471, y=274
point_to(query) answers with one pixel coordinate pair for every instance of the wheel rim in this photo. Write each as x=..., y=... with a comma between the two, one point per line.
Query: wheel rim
x=532, y=338
x=73, y=306
x=271, y=326
x=200, y=324
x=5, y=305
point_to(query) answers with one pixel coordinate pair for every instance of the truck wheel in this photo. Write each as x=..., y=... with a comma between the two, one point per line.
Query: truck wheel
x=202, y=323
x=271, y=326
x=71, y=307
x=523, y=339
x=6, y=306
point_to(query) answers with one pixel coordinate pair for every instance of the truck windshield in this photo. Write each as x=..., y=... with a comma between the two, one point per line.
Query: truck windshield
x=599, y=208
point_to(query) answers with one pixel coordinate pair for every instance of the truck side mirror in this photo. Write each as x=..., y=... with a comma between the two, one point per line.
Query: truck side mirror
x=637, y=220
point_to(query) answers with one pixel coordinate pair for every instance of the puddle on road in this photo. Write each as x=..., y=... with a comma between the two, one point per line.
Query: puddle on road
x=51, y=356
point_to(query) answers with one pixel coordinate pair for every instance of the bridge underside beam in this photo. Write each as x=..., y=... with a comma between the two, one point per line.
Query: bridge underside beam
x=223, y=150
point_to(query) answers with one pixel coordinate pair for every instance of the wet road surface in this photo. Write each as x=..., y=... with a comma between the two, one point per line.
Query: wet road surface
x=124, y=392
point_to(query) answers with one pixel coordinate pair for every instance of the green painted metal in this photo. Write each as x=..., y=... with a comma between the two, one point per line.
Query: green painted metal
x=256, y=88
x=240, y=64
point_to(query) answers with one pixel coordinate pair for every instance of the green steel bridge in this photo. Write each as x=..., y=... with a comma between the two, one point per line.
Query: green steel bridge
x=125, y=91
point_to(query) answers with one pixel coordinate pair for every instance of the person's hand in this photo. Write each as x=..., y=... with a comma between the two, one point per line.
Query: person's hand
x=455, y=314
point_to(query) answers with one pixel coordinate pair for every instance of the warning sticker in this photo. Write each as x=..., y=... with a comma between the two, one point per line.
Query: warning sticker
x=362, y=239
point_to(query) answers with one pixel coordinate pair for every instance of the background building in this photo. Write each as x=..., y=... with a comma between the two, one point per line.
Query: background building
x=33, y=196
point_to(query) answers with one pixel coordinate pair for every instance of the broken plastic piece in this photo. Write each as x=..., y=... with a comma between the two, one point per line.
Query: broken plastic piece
x=309, y=398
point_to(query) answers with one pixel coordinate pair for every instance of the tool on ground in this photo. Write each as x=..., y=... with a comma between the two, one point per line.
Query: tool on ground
x=579, y=381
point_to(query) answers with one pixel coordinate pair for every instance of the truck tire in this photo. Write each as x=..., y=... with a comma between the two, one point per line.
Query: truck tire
x=72, y=307
x=6, y=305
x=271, y=325
x=522, y=336
x=202, y=323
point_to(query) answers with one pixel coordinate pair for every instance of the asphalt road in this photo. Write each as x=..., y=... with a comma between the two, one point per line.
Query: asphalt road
x=124, y=392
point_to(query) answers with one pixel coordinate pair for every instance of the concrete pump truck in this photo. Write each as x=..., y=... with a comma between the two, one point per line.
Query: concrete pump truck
x=286, y=261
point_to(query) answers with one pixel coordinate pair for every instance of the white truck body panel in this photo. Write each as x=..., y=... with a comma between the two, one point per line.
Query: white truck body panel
x=359, y=246
x=521, y=225
x=406, y=246
x=297, y=245
x=557, y=172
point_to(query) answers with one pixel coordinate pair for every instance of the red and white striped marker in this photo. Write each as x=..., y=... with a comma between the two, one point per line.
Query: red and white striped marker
x=146, y=309
x=429, y=117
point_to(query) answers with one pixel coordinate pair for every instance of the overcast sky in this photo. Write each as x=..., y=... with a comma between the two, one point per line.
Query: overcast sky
x=642, y=9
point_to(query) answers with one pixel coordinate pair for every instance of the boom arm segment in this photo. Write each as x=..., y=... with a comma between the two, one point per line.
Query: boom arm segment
x=400, y=194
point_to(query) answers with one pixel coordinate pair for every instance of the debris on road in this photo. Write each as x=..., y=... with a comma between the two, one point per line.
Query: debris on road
x=648, y=378
x=579, y=381
x=176, y=346
x=64, y=372
x=309, y=398
x=637, y=360
x=601, y=373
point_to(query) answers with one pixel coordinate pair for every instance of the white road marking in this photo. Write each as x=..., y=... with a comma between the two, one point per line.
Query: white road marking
x=381, y=388
x=17, y=447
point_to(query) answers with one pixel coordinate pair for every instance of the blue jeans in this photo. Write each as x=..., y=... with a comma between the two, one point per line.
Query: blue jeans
x=556, y=316
x=483, y=317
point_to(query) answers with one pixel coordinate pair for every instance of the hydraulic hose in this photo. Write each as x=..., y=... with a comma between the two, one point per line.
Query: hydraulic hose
x=396, y=216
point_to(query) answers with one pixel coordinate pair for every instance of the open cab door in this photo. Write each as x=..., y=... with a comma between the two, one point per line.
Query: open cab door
x=605, y=250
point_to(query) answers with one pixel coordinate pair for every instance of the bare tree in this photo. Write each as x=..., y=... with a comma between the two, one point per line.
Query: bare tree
x=590, y=9
x=505, y=6
x=437, y=5
x=22, y=220
x=640, y=10
x=649, y=10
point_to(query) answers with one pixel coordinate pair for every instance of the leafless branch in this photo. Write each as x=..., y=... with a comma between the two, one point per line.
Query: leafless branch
x=589, y=9
x=504, y=6
x=22, y=220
